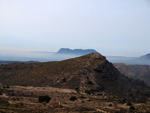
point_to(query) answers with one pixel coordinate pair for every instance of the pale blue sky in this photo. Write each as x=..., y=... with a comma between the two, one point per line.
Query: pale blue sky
x=112, y=27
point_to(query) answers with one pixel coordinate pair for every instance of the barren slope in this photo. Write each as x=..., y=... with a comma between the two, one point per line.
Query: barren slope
x=91, y=72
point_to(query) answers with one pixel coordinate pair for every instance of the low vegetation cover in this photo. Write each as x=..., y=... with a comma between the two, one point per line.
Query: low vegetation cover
x=45, y=98
x=73, y=98
x=88, y=92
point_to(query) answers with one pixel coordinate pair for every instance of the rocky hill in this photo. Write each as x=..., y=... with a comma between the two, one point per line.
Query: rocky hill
x=90, y=73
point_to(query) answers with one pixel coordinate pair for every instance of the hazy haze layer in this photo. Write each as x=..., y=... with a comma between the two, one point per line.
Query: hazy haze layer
x=112, y=27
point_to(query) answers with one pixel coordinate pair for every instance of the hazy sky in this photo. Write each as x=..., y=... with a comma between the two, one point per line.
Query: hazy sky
x=112, y=27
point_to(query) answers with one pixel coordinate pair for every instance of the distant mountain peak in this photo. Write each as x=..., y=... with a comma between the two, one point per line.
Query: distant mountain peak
x=76, y=51
x=146, y=56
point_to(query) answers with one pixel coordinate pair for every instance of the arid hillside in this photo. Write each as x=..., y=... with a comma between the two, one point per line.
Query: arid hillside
x=91, y=73
x=141, y=72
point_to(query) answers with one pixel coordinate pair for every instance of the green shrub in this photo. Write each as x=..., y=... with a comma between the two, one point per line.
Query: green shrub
x=88, y=92
x=7, y=86
x=90, y=82
x=77, y=89
x=122, y=101
x=44, y=99
x=132, y=107
x=129, y=103
x=64, y=80
x=0, y=92
x=110, y=105
x=73, y=98
x=99, y=94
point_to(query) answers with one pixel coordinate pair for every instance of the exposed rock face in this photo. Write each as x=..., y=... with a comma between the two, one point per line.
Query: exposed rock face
x=90, y=72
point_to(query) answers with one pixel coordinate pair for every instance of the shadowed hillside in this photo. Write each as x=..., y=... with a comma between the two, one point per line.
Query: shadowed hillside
x=92, y=73
x=141, y=72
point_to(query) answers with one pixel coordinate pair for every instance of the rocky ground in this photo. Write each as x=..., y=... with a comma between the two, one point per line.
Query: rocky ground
x=19, y=99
